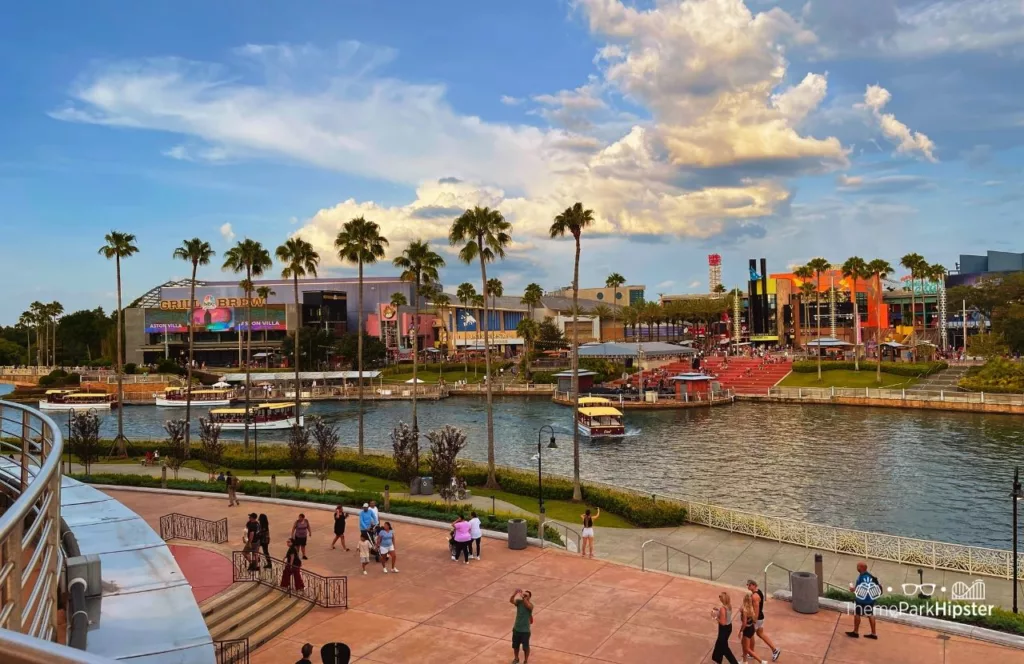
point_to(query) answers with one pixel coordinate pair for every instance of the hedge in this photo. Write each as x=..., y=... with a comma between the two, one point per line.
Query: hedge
x=894, y=368
x=1000, y=619
x=997, y=375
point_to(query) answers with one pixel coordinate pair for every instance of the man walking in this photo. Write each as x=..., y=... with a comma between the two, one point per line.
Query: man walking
x=367, y=520
x=252, y=542
x=232, y=483
x=757, y=597
x=521, y=628
x=866, y=589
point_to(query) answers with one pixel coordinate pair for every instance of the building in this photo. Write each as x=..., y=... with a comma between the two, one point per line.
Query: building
x=970, y=268
x=394, y=326
x=623, y=296
x=156, y=324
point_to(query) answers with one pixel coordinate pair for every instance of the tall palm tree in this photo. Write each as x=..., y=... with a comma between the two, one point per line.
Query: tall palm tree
x=119, y=246
x=38, y=310
x=855, y=268
x=805, y=274
x=817, y=266
x=419, y=264
x=880, y=269
x=615, y=281
x=51, y=312
x=806, y=292
x=360, y=242
x=532, y=295
x=916, y=264
x=495, y=289
x=466, y=295
x=484, y=234
x=573, y=220
x=300, y=260
x=196, y=252
x=27, y=322
x=529, y=331
x=250, y=257
x=264, y=293
x=479, y=302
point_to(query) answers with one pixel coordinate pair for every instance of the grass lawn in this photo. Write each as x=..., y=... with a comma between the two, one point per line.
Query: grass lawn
x=844, y=378
x=450, y=376
x=560, y=510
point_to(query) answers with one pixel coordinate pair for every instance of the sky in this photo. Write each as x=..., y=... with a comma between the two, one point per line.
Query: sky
x=783, y=129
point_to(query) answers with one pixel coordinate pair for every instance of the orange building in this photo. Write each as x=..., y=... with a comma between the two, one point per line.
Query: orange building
x=868, y=296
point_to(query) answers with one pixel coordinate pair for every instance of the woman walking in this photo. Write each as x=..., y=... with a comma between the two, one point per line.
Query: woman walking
x=723, y=616
x=748, y=620
x=463, y=538
x=292, y=579
x=339, y=527
x=265, y=539
x=386, y=547
x=588, y=532
x=300, y=531
x=474, y=532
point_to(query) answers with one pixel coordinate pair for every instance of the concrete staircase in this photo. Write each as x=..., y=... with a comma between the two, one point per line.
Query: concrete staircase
x=943, y=381
x=744, y=375
x=251, y=611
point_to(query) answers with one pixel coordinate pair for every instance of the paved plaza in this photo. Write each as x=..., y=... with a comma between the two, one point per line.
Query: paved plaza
x=437, y=611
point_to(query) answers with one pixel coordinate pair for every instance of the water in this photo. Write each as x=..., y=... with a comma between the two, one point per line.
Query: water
x=935, y=475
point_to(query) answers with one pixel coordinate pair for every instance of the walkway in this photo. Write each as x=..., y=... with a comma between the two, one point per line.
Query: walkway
x=436, y=611
x=191, y=474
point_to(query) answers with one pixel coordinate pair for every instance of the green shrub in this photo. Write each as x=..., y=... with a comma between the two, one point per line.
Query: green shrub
x=47, y=381
x=1000, y=619
x=997, y=375
x=129, y=368
x=166, y=366
x=894, y=368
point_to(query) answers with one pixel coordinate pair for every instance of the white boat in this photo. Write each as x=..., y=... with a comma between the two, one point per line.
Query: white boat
x=176, y=396
x=598, y=419
x=262, y=416
x=75, y=400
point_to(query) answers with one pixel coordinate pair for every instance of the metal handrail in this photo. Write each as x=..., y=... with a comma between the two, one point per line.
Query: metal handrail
x=567, y=530
x=689, y=559
x=186, y=526
x=326, y=591
x=790, y=578
x=23, y=649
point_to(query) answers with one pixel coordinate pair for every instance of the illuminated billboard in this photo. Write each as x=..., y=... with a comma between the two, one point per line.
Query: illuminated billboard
x=215, y=319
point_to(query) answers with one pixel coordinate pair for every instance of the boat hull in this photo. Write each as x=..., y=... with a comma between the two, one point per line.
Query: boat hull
x=46, y=405
x=286, y=423
x=180, y=403
x=602, y=432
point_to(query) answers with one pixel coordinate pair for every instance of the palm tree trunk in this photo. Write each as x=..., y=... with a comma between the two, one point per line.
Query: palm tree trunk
x=191, y=341
x=121, y=449
x=28, y=346
x=465, y=354
x=248, y=353
x=359, y=352
x=913, y=316
x=615, y=303
x=577, y=494
x=817, y=311
x=492, y=479
x=856, y=327
x=295, y=344
x=415, y=357
x=878, y=328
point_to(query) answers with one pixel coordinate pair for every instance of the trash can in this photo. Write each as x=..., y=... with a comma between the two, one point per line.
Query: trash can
x=414, y=486
x=517, y=534
x=805, y=591
x=426, y=486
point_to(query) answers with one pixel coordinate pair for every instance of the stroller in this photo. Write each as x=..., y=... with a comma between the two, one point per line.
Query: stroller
x=374, y=549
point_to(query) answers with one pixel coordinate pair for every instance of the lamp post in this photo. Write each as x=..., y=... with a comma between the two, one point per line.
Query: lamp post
x=540, y=484
x=1015, y=496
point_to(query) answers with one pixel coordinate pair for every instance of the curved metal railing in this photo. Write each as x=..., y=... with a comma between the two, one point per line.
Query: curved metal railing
x=30, y=553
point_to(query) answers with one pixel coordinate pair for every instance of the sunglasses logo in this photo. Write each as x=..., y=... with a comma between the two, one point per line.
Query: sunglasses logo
x=926, y=589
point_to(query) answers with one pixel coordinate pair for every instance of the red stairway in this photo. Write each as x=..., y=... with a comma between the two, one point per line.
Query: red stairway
x=743, y=375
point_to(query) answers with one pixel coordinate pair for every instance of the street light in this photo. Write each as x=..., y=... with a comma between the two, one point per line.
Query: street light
x=540, y=485
x=1015, y=496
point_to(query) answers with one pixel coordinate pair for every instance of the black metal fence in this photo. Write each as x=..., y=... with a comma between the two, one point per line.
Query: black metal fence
x=232, y=652
x=183, y=526
x=326, y=591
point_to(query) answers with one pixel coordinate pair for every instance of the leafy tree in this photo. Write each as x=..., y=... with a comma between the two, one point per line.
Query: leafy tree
x=300, y=260
x=298, y=451
x=177, y=450
x=82, y=333
x=196, y=252
x=211, y=445
x=119, y=246
x=315, y=348
x=374, y=350
x=406, y=447
x=445, y=445
x=466, y=295
x=988, y=346
x=85, y=437
x=325, y=438
x=551, y=338
x=529, y=331
x=532, y=295
x=10, y=352
x=881, y=269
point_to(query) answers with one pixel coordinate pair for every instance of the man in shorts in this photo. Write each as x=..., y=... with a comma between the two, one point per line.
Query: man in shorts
x=758, y=599
x=866, y=589
x=521, y=629
x=232, y=483
x=252, y=541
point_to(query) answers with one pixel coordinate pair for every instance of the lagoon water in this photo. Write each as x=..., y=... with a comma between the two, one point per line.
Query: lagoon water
x=928, y=474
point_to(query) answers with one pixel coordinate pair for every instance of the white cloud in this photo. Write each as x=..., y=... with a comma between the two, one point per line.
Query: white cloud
x=694, y=284
x=511, y=101
x=797, y=102
x=227, y=233
x=212, y=154
x=907, y=141
x=665, y=285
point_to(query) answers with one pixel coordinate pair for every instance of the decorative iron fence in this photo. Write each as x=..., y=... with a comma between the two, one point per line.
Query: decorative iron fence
x=183, y=526
x=910, y=394
x=232, y=652
x=326, y=591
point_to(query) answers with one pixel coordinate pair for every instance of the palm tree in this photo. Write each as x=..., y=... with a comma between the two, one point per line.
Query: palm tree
x=529, y=331
x=27, y=321
x=443, y=302
x=880, y=269
x=573, y=220
x=603, y=312
x=419, y=264
x=300, y=260
x=398, y=300
x=614, y=281
x=466, y=294
x=118, y=246
x=805, y=274
x=806, y=292
x=250, y=257
x=196, y=252
x=817, y=266
x=51, y=312
x=916, y=264
x=532, y=295
x=264, y=293
x=495, y=289
x=855, y=268
x=360, y=242
x=38, y=311
x=483, y=234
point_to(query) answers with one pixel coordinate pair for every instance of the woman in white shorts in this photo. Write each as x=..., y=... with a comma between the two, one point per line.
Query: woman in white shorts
x=386, y=546
x=588, y=532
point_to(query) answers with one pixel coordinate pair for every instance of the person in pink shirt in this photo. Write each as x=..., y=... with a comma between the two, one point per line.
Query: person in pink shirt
x=463, y=538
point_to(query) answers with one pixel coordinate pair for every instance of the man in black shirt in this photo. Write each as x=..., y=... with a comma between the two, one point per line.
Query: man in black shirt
x=307, y=652
x=252, y=541
x=758, y=599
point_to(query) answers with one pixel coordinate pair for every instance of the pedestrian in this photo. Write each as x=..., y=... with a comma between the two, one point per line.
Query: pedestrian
x=376, y=513
x=758, y=598
x=339, y=527
x=748, y=627
x=474, y=532
x=364, y=549
x=386, y=546
x=265, y=539
x=521, y=628
x=366, y=521
x=723, y=616
x=307, y=652
x=251, y=542
x=463, y=538
x=292, y=579
x=220, y=477
x=588, y=532
x=866, y=589
x=232, y=483
x=300, y=532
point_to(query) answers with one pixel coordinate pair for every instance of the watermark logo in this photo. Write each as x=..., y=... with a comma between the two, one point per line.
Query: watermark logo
x=968, y=593
x=868, y=590
x=965, y=600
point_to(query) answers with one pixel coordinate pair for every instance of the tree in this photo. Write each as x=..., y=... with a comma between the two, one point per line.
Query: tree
x=445, y=445
x=177, y=450
x=398, y=300
x=52, y=312
x=82, y=334
x=27, y=322
x=325, y=437
x=360, y=242
x=119, y=246
x=880, y=269
x=85, y=437
x=406, y=450
x=466, y=295
x=615, y=281
x=250, y=257
x=211, y=445
x=298, y=451
x=484, y=234
x=805, y=274
x=374, y=351
x=529, y=331
x=495, y=289
x=10, y=353
x=264, y=293
x=551, y=337
x=419, y=264
x=315, y=347
x=300, y=260
x=532, y=295
x=855, y=268
x=195, y=252
x=573, y=220
x=817, y=266
x=916, y=264
x=443, y=302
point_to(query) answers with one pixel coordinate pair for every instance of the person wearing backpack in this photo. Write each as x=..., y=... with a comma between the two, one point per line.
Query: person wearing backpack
x=866, y=589
x=252, y=539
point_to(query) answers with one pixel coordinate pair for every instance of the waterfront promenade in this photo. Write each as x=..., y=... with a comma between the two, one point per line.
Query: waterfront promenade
x=596, y=611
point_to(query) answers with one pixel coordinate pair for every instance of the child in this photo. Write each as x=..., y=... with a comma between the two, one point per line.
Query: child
x=364, y=550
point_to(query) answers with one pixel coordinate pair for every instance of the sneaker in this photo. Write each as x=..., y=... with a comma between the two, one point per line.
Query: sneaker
x=394, y=571
x=453, y=557
x=853, y=635
x=472, y=557
x=871, y=636
x=775, y=654
x=467, y=562
x=385, y=570
x=305, y=558
x=364, y=571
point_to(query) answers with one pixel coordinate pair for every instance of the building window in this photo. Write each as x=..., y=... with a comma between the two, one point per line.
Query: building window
x=600, y=295
x=635, y=296
x=618, y=296
x=512, y=318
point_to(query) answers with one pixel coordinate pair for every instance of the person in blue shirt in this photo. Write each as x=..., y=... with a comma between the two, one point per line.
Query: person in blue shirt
x=367, y=520
x=866, y=589
x=386, y=546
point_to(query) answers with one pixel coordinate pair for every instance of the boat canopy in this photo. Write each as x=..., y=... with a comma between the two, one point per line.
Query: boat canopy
x=61, y=391
x=589, y=401
x=600, y=411
x=88, y=395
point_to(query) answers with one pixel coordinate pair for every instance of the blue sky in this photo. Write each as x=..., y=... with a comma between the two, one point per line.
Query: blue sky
x=778, y=129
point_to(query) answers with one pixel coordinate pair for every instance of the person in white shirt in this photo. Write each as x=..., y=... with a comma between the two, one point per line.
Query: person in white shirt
x=376, y=515
x=474, y=532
